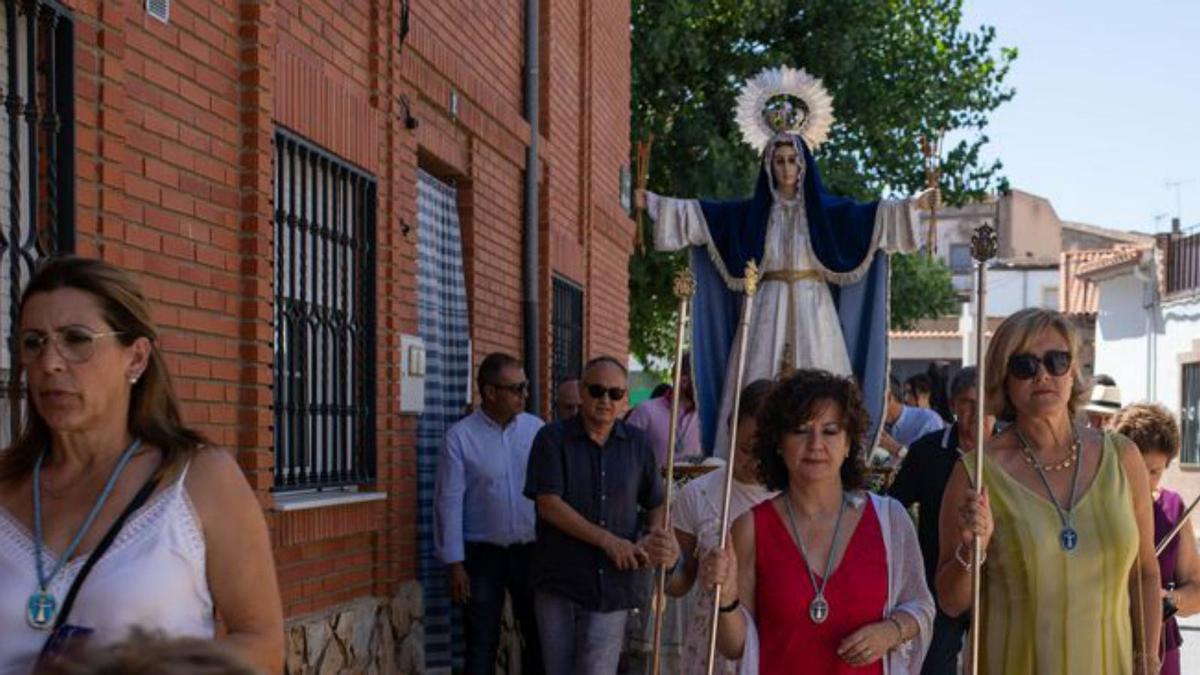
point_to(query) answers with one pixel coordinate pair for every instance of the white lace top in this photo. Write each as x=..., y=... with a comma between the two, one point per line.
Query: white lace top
x=697, y=511
x=152, y=576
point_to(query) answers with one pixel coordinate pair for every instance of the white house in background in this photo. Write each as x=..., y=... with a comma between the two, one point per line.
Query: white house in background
x=1025, y=274
x=1026, y=227
x=1148, y=334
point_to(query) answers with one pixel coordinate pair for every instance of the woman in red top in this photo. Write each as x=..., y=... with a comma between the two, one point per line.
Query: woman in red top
x=824, y=578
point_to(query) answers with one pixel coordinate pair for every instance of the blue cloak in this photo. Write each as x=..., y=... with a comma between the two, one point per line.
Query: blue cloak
x=842, y=232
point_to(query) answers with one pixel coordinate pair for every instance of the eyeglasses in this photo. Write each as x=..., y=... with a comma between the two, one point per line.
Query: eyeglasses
x=598, y=391
x=74, y=345
x=517, y=388
x=1025, y=366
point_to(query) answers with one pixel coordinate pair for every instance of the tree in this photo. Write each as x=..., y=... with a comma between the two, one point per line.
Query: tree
x=925, y=285
x=897, y=69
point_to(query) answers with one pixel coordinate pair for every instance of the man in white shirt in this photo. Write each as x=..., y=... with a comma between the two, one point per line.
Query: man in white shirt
x=483, y=524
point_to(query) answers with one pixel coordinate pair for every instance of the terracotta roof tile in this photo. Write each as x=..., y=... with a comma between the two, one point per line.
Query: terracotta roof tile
x=1078, y=295
x=924, y=334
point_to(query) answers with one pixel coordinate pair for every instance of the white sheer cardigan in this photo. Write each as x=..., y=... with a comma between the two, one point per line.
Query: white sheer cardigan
x=907, y=592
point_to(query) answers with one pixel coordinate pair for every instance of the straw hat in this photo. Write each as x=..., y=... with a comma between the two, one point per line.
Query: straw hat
x=1106, y=400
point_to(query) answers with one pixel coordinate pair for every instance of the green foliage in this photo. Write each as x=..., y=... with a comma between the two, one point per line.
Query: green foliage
x=925, y=285
x=897, y=69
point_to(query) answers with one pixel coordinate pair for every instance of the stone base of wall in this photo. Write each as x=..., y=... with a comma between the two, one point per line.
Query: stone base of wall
x=370, y=636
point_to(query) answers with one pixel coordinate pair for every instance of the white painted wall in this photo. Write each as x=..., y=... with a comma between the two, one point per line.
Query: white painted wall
x=1123, y=344
x=1143, y=360
x=1012, y=290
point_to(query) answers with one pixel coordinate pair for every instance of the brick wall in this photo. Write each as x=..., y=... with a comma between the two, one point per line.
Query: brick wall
x=174, y=162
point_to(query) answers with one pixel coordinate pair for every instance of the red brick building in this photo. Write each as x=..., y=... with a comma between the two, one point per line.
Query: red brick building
x=260, y=165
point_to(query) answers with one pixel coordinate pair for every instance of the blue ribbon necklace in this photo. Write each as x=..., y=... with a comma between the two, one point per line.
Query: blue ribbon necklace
x=42, y=607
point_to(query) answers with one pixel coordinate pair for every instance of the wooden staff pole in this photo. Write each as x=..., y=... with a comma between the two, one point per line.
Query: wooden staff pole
x=983, y=249
x=751, y=279
x=932, y=150
x=642, y=177
x=685, y=286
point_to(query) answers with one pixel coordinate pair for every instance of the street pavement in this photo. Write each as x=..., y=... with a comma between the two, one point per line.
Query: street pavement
x=1190, y=652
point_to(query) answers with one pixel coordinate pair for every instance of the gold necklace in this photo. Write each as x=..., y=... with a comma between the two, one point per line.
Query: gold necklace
x=1060, y=465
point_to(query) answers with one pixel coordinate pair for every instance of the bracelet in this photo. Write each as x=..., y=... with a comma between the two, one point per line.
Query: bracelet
x=899, y=630
x=725, y=609
x=963, y=561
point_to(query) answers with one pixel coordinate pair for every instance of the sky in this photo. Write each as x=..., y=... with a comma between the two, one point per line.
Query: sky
x=1107, y=106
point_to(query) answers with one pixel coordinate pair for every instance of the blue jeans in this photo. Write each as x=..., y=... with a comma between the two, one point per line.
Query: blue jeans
x=493, y=570
x=577, y=641
x=944, y=646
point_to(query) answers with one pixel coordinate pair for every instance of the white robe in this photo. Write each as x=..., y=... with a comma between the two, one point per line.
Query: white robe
x=819, y=342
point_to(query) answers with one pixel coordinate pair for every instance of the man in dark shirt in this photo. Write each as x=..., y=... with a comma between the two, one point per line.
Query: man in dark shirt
x=588, y=475
x=922, y=480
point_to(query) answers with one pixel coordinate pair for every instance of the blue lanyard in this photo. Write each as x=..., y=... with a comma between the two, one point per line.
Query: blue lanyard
x=44, y=580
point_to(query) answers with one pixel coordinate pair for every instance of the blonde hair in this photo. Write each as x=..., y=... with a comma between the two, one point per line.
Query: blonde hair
x=1012, y=337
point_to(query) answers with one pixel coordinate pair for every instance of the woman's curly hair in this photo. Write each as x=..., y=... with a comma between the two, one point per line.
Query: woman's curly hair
x=1150, y=426
x=796, y=399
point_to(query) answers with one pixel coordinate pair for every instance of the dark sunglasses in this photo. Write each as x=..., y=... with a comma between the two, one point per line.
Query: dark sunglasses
x=1025, y=366
x=518, y=388
x=598, y=391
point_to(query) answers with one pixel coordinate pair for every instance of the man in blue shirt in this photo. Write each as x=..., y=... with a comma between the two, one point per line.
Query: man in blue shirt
x=589, y=475
x=483, y=524
x=904, y=424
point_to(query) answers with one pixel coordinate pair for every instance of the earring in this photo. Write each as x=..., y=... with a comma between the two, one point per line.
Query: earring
x=134, y=379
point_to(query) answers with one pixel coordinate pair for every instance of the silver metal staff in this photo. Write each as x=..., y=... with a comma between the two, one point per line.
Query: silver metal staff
x=751, y=279
x=685, y=287
x=983, y=249
x=1166, y=541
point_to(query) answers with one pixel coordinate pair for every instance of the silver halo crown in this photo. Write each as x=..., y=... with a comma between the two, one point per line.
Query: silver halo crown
x=784, y=100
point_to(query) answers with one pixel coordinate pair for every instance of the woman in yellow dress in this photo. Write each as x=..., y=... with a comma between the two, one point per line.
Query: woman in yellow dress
x=1070, y=582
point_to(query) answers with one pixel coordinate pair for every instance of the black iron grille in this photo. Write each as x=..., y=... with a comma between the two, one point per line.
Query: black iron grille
x=324, y=318
x=37, y=168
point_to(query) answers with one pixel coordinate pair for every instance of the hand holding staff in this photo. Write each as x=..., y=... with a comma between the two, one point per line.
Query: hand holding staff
x=685, y=287
x=983, y=248
x=751, y=278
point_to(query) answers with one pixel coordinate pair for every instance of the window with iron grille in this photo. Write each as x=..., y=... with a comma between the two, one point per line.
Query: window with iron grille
x=1190, y=415
x=37, y=177
x=567, y=334
x=324, y=318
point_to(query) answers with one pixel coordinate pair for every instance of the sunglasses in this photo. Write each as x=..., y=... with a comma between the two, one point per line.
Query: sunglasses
x=518, y=388
x=598, y=391
x=1025, y=366
x=74, y=344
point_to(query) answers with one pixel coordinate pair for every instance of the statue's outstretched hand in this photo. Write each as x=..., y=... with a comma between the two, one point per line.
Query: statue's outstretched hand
x=928, y=199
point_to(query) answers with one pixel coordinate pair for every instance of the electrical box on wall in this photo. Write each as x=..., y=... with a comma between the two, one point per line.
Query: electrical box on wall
x=412, y=374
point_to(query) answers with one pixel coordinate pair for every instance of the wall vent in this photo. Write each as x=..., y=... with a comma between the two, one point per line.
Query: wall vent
x=159, y=9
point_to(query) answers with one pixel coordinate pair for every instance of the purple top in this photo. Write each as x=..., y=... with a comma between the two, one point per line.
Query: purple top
x=653, y=417
x=1168, y=509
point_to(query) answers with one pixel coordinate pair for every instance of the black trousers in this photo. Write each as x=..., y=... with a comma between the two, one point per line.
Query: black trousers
x=494, y=570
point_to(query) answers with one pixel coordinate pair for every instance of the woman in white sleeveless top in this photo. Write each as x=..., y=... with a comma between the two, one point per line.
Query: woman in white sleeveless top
x=102, y=422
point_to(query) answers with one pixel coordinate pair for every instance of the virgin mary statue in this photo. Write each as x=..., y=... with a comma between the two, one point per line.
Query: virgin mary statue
x=822, y=299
